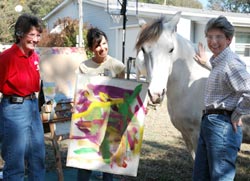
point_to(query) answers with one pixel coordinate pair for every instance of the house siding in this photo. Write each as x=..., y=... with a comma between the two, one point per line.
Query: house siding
x=71, y=10
x=98, y=17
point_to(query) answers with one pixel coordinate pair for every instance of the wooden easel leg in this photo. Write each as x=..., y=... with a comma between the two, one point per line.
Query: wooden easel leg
x=57, y=153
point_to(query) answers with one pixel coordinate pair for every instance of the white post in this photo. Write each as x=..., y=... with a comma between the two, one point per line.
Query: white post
x=80, y=24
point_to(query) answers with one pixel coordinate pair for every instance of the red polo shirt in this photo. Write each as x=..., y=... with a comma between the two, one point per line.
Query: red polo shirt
x=19, y=75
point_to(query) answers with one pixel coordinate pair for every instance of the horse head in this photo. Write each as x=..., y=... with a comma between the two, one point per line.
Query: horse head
x=157, y=42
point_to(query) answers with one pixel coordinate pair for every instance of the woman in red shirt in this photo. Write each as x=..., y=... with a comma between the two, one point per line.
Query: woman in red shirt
x=21, y=130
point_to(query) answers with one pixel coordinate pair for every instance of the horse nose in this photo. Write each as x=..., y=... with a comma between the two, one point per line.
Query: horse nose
x=156, y=98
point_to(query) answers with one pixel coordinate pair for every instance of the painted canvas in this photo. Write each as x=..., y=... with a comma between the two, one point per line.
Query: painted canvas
x=57, y=68
x=107, y=125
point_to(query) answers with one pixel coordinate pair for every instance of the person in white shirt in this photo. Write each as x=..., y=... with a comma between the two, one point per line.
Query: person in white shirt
x=100, y=64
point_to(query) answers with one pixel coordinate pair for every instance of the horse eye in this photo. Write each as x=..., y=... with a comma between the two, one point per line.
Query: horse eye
x=171, y=50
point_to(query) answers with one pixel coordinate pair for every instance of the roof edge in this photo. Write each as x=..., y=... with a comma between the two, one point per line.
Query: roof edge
x=57, y=8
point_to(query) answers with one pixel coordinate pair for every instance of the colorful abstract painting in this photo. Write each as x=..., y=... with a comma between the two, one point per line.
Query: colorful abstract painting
x=107, y=125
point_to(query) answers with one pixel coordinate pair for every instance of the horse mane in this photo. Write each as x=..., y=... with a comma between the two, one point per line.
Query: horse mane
x=150, y=33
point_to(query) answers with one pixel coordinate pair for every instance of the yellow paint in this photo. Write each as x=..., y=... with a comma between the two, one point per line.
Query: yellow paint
x=97, y=104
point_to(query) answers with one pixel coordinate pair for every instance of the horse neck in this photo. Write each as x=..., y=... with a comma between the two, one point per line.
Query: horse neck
x=185, y=71
x=185, y=48
x=186, y=51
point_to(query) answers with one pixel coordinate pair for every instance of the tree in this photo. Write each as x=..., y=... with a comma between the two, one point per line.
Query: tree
x=9, y=15
x=8, y=18
x=42, y=8
x=65, y=38
x=239, y=6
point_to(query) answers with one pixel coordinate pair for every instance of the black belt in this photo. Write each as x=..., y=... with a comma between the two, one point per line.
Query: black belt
x=19, y=99
x=217, y=111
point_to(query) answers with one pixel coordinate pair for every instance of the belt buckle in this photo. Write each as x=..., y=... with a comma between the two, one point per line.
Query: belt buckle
x=16, y=100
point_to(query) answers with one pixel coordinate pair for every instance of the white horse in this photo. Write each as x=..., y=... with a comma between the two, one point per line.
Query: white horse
x=140, y=67
x=171, y=69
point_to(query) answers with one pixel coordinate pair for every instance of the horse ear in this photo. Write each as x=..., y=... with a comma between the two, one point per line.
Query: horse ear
x=172, y=23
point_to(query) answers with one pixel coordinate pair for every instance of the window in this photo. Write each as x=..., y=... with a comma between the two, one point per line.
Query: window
x=242, y=43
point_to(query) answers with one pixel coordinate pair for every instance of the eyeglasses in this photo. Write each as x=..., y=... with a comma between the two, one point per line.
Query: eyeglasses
x=215, y=37
x=32, y=36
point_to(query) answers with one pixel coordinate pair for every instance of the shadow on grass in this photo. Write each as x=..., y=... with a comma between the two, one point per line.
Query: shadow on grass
x=165, y=162
x=243, y=166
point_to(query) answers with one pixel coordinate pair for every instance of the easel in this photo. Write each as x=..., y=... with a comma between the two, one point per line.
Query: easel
x=68, y=59
x=54, y=138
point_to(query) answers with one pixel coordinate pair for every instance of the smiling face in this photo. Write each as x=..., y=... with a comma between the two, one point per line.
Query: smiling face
x=100, y=50
x=28, y=29
x=29, y=41
x=217, y=41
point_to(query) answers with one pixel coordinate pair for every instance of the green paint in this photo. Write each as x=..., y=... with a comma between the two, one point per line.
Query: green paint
x=95, y=129
x=96, y=113
x=124, y=108
x=85, y=150
x=105, y=149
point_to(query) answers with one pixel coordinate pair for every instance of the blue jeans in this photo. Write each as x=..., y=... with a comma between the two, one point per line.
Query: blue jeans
x=84, y=175
x=22, y=141
x=217, y=149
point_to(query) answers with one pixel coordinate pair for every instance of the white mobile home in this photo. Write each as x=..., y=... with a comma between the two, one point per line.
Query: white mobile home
x=190, y=26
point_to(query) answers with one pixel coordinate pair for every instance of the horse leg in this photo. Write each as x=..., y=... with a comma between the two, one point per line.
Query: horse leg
x=186, y=133
x=189, y=145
